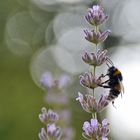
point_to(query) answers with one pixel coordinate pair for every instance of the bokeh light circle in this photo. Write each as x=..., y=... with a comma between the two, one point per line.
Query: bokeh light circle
x=20, y=29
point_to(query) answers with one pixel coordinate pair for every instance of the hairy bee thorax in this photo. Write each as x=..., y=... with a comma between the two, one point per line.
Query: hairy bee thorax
x=114, y=83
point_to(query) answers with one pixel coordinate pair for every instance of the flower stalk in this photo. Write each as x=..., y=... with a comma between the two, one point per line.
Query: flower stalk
x=94, y=130
x=50, y=131
x=57, y=97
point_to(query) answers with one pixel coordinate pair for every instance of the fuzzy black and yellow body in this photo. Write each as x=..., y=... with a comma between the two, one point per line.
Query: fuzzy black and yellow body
x=114, y=83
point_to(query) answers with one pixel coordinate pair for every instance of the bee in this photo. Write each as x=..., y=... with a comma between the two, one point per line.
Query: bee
x=114, y=83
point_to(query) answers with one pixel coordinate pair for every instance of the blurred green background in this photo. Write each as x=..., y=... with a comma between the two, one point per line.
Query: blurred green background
x=20, y=98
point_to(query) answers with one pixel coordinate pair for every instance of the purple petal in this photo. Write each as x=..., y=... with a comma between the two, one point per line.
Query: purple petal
x=94, y=123
x=51, y=128
x=47, y=80
x=104, y=138
x=80, y=98
x=104, y=35
x=86, y=125
x=104, y=123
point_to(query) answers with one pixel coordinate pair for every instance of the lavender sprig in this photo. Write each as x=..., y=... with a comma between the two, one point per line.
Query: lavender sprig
x=56, y=96
x=50, y=131
x=94, y=130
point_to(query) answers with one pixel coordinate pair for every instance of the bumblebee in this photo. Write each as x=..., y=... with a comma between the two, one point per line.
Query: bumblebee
x=114, y=83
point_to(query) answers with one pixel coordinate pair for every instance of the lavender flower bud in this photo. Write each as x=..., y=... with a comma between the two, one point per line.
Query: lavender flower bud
x=95, y=59
x=90, y=104
x=89, y=80
x=95, y=130
x=96, y=15
x=50, y=132
x=48, y=117
x=104, y=129
x=96, y=37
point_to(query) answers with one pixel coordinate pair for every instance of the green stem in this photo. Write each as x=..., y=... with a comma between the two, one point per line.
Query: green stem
x=94, y=71
x=94, y=115
x=96, y=48
x=96, y=29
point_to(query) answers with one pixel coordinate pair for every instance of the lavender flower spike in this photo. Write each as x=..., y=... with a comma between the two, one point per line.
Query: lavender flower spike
x=95, y=59
x=96, y=36
x=95, y=131
x=48, y=117
x=96, y=15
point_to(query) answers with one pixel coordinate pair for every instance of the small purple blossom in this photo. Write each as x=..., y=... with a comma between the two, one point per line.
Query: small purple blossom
x=50, y=132
x=96, y=15
x=48, y=116
x=48, y=81
x=90, y=104
x=96, y=37
x=89, y=80
x=95, y=59
x=95, y=130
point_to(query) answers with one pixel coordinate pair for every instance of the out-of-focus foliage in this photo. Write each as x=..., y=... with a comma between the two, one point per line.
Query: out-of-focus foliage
x=24, y=30
x=20, y=99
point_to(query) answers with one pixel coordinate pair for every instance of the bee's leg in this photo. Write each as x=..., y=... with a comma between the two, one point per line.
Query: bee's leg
x=105, y=82
x=104, y=86
x=102, y=76
x=113, y=104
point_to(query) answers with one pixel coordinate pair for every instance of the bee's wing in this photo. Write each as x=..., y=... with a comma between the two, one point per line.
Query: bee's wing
x=121, y=87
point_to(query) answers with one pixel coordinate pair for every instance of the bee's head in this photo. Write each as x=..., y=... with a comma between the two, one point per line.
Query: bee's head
x=112, y=69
